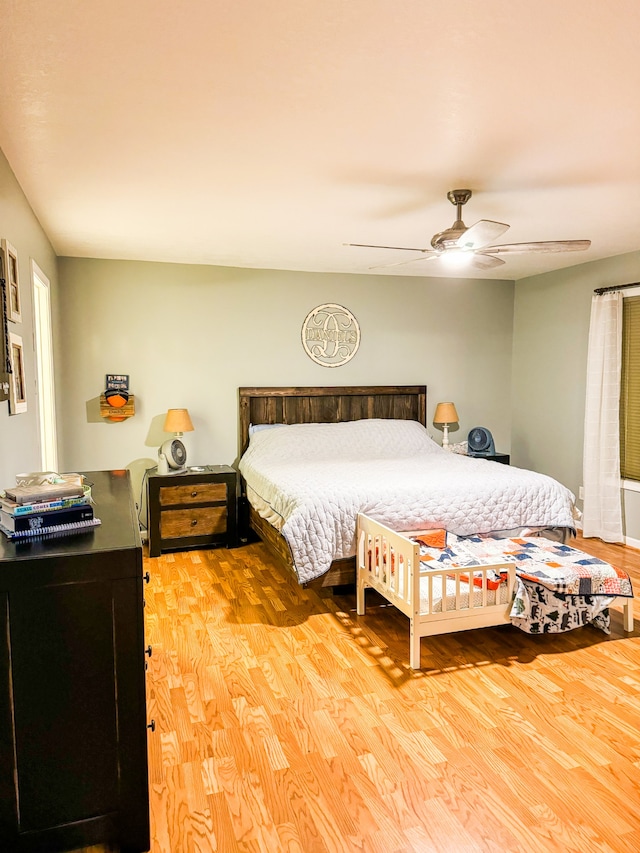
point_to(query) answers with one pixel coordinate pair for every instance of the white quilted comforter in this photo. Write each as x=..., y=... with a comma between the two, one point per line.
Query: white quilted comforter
x=311, y=481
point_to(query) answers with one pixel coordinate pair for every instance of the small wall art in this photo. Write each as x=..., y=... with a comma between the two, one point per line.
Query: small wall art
x=17, y=382
x=116, y=403
x=14, y=304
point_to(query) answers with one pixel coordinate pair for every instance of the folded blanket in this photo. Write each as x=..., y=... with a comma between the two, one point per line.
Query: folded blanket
x=560, y=568
x=557, y=567
x=537, y=610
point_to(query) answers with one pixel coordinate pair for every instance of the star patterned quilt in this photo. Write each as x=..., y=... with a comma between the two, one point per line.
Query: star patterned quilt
x=559, y=587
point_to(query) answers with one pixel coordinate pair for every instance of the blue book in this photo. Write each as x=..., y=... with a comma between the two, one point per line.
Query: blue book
x=14, y=508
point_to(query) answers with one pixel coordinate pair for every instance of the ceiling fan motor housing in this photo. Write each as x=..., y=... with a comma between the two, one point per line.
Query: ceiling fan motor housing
x=445, y=239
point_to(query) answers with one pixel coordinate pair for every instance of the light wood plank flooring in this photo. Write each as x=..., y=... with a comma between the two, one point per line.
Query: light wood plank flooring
x=285, y=722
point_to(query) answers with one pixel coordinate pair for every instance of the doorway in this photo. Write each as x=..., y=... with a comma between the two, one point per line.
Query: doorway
x=45, y=386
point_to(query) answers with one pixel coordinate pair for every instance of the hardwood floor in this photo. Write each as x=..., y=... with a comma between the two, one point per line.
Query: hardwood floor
x=285, y=722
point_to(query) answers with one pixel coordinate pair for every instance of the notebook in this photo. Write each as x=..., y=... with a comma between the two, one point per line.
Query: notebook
x=48, y=531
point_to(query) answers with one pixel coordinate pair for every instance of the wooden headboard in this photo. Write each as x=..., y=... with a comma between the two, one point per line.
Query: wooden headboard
x=329, y=404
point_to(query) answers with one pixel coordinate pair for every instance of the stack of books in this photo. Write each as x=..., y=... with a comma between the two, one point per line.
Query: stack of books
x=45, y=509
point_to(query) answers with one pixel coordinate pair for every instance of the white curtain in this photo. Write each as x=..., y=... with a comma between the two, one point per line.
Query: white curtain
x=602, y=515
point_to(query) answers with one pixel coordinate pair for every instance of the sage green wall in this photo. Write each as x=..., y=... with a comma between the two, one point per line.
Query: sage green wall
x=191, y=335
x=551, y=331
x=19, y=437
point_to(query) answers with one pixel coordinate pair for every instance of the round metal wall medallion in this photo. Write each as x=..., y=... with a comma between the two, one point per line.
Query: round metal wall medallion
x=330, y=335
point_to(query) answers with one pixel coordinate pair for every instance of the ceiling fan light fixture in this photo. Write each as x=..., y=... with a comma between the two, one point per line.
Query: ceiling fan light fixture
x=457, y=258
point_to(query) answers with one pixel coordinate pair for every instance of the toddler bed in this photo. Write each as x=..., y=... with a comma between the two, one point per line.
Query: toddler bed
x=445, y=584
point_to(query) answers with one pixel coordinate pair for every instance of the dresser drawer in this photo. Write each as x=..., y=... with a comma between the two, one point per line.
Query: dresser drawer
x=197, y=493
x=200, y=521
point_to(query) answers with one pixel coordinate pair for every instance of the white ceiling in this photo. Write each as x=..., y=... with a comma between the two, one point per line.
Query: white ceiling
x=268, y=133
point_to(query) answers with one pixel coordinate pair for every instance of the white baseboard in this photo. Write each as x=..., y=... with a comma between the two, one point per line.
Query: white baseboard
x=628, y=540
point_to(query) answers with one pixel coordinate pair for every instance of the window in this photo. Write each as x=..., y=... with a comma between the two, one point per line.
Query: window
x=630, y=390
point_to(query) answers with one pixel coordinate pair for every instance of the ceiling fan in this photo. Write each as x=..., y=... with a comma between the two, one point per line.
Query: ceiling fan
x=474, y=243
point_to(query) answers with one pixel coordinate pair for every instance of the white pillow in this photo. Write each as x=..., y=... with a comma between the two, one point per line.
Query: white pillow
x=374, y=438
x=253, y=428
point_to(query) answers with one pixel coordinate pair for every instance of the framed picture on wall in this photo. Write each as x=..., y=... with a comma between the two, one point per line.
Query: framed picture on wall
x=14, y=305
x=17, y=382
x=4, y=341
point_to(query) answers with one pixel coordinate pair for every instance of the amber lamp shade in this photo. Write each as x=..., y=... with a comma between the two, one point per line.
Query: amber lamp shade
x=445, y=415
x=178, y=421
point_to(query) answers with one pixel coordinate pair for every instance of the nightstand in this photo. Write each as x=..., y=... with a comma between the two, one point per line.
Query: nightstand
x=498, y=457
x=197, y=509
x=492, y=457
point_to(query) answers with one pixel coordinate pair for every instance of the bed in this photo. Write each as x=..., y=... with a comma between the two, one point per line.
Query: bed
x=444, y=583
x=313, y=458
x=319, y=404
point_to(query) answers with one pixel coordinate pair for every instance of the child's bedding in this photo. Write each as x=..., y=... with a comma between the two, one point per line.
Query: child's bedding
x=559, y=588
x=311, y=480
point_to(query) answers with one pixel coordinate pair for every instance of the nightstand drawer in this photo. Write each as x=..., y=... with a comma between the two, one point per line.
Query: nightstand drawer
x=198, y=521
x=198, y=493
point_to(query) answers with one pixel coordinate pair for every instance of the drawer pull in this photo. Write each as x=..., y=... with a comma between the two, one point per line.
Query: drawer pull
x=148, y=651
x=146, y=577
x=194, y=521
x=194, y=494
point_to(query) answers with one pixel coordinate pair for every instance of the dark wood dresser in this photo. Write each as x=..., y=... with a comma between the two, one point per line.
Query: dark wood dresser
x=73, y=727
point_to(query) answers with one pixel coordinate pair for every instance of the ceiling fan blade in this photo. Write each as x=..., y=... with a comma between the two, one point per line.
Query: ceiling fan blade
x=427, y=255
x=485, y=262
x=480, y=234
x=402, y=248
x=545, y=246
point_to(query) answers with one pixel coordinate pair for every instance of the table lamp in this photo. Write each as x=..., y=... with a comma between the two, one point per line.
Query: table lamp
x=444, y=416
x=172, y=455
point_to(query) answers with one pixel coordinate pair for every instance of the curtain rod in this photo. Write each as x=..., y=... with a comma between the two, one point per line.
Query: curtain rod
x=600, y=290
